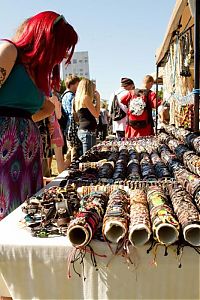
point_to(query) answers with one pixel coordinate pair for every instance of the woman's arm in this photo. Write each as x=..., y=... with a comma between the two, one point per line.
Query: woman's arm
x=57, y=104
x=46, y=110
x=8, y=55
x=94, y=109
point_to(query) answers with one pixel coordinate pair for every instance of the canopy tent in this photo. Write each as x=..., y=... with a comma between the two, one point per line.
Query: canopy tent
x=182, y=13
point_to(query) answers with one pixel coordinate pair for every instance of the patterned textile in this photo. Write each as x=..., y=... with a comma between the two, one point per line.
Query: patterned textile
x=72, y=133
x=20, y=162
x=45, y=136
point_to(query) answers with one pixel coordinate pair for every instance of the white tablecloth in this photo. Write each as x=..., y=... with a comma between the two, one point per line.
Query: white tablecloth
x=35, y=268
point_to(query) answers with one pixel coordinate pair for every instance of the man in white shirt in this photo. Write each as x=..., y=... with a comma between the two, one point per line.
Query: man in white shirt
x=119, y=126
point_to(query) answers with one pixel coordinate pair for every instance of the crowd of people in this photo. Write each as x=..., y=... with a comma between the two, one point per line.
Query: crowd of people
x=37, y=122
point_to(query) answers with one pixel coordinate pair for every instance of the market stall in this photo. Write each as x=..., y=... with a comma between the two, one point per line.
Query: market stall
x=178, y=57
x=121, y=223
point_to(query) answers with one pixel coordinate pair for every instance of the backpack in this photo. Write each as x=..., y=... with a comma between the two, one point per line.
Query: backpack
x=116, y=112
x=140, y=109
x=63, y=121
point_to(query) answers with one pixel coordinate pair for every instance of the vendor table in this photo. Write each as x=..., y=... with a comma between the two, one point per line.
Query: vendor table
x=36, y=268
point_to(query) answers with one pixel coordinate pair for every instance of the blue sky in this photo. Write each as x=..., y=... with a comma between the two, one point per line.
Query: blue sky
x=120, y=36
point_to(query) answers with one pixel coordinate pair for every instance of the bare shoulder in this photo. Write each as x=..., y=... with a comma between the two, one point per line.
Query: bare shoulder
x=8, y=55
x=86, y=100
x=8, y=49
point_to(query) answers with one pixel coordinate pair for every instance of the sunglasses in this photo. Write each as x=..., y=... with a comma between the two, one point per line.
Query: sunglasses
x=61, y=17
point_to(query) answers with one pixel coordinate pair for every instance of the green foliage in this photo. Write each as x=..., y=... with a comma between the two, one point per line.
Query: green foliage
x=160, y=93
x=62, y=87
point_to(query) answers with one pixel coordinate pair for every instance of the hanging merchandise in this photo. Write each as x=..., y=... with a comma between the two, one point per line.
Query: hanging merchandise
x=115, y=222
x=165, y=227
x=140, y=226
x=83, y=227
x=187, y=214
x=186, y=56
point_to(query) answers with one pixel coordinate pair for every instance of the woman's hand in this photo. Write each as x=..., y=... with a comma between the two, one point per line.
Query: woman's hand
x=97, y=96
x=46, y=110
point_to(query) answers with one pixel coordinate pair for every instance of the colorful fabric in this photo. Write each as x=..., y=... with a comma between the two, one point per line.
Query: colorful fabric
x=57, y=136
x=20, y=162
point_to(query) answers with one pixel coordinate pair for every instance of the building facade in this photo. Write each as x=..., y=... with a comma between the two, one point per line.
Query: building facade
x=79, y=65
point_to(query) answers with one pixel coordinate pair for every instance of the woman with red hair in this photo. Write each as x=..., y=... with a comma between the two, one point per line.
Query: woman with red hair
x=29, y=70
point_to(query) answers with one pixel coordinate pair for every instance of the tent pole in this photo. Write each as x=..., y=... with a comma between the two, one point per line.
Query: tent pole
x=196, y=62
x=157, y=70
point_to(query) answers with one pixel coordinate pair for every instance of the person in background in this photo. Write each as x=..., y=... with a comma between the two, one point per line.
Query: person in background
x=163, y=114
x=57, y=140
x=119, y=126
x=43, y=126
x=104, y=115
x=140, y=103
x=71, y=83
x=26, y=65
x=87, y=112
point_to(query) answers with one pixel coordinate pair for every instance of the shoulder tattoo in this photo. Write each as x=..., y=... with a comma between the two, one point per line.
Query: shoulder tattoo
x=2, y=76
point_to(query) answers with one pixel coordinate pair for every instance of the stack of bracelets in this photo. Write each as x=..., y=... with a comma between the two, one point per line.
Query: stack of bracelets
x=121, y=194
x=107, y=169
x=165, y=226
x=133, y=166
x=187, y=214
x=192, y=139
x=116, y=219
x=140, y=226
x=161, y=169
x=121, y=165
x=50, y=214
x=190, y=182
x=90, y=215
x=147, y=169
x=183, y=153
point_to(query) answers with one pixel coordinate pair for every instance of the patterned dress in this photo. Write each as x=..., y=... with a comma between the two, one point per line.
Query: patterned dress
x=20, y=142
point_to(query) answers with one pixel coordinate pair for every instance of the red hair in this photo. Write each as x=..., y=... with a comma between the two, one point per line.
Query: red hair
x=43, y=43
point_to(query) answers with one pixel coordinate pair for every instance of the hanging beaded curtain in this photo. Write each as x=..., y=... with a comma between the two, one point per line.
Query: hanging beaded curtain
x=115, y=222
x=187, y=214
x=140, y=226
x=83, y=227
x=165, y=227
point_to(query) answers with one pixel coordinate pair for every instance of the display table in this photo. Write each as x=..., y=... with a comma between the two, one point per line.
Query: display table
x=36, y=268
